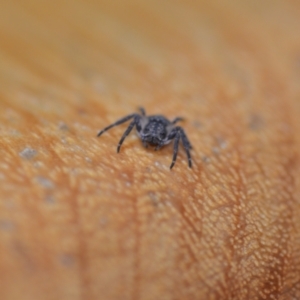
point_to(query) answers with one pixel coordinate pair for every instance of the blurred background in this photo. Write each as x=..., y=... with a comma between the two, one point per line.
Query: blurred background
x=78, y=221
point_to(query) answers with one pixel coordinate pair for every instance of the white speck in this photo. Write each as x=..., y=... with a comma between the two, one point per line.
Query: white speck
x=80, y=126
x=28, y=153
x=63, y=140
x=222, y=143
x=38, y=164
x=158, y=164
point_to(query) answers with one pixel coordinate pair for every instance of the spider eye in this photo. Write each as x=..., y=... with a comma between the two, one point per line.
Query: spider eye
x=162, y=135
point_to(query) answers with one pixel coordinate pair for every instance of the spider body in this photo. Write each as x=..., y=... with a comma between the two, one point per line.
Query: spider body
x=155, y=130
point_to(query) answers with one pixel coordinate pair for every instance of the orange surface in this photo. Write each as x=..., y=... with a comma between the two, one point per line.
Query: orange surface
x=79, y=221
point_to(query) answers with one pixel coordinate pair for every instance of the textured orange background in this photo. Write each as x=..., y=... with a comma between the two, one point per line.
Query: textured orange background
x=79, y=221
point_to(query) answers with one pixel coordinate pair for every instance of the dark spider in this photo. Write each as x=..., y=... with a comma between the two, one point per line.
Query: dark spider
x=156, y=131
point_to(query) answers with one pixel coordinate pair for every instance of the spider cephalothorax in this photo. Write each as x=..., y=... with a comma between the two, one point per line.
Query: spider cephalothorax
x=155, y=130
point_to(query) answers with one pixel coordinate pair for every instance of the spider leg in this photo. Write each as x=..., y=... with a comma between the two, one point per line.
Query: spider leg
x=176, y=143
x=177, y=119
x=184, y=136
x=142, y=110
x=127, y=131
x=187, y=140
x=123, y=120
x=187, y=146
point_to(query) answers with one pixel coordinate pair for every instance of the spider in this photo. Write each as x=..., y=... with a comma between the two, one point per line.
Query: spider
x=155, y=130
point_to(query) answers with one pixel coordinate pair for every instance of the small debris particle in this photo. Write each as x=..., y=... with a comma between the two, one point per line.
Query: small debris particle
x=63, y=126
x=256, y=122
x=14, y=132
x=197, y=124
x=216, y=150
x=205, y=159
x=153, y=197
x=28, y=153
x=103, y=221
x=45, y=182
x=50, y=199
x=6, y=225
x=87, y=159
x=67, y=260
